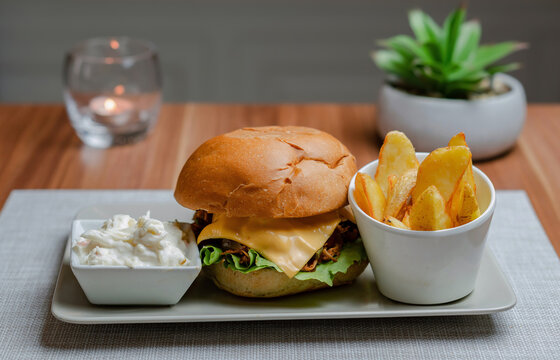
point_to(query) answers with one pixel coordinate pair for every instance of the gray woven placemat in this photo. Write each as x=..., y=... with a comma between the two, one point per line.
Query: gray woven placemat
x=34, y=226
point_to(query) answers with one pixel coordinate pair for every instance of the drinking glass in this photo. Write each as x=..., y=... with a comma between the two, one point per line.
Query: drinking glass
x=112, y=90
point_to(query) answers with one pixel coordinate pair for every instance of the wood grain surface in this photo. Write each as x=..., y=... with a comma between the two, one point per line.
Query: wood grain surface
x=38, y=149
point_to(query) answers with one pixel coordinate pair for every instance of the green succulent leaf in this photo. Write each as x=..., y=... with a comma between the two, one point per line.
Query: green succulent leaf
x=502, y=68
x=393, y=63
x=432, y=29
x=424, y=27
x=408, y=48
x=417, y=24
x=451, y=30
x=401, y=44
x=475, y=76
x=467, y=42
x=488, y=54
x=463, y=73
x=435, y=51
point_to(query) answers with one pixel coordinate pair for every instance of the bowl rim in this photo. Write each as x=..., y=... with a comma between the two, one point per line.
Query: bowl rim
x=433, y=233
x=75, y=263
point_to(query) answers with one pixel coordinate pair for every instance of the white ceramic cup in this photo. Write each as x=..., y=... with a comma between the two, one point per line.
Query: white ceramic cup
x=426, y=267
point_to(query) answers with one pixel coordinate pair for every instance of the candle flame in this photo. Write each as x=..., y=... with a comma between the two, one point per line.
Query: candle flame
x=109, y=104
x=114, y=44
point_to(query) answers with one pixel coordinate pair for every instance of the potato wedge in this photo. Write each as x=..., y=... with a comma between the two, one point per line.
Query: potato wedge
x=454, y=206
x=468, y=177
x=396, y=156
x=460, y=140
x=428, y=212
x=444, y=168
x=465, y=209
x=391, y=180
x=369, y=196
x=399, y=194
x=406, y=219
x=361, y=197
x=458, y=197
x=469, y=209
x=389, y=220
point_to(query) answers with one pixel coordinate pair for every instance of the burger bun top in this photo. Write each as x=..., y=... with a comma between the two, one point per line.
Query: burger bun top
x=274, y=172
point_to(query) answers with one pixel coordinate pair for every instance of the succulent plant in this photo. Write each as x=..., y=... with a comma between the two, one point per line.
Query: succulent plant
x=443, y=61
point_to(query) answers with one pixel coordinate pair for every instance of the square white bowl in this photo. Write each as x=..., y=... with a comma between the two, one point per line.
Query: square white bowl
x=122, y=285
x=426, y=267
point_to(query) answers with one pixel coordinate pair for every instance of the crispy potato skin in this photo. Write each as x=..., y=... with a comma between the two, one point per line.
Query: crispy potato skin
x=399, y=194
x=468, y=209
x=428, y=212
x=369, y=196
x=395, y=223
x=444, y=168
x=396, y=156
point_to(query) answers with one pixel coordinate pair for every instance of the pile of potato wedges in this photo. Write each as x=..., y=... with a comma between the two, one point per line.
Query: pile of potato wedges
x=438, y=193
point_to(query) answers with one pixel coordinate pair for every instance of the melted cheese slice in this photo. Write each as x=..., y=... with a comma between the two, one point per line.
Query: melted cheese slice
x=289, y=243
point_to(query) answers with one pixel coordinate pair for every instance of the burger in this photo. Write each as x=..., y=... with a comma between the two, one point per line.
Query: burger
x=271, y=216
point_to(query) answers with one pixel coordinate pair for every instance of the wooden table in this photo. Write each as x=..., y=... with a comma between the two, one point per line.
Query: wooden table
x=38, y=149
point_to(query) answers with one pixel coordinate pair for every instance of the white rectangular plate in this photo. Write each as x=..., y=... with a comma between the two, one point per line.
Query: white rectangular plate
x=204, y=302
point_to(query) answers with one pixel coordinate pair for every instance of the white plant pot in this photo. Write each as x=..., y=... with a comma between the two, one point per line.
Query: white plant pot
x=491, y=125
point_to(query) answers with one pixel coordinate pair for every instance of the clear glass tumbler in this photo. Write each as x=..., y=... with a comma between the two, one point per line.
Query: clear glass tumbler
x=112, y=90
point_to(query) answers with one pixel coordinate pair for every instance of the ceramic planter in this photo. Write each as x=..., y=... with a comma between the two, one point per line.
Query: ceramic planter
x=491, y=125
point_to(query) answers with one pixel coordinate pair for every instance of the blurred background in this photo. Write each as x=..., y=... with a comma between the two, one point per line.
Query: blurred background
x=258, y=51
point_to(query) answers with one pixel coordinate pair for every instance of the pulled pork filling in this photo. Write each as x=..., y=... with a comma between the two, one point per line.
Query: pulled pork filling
x=201, y=219
x=345, y=232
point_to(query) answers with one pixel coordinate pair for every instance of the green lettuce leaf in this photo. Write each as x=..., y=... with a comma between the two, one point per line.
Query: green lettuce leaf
x=324, y=272
x=210, y=255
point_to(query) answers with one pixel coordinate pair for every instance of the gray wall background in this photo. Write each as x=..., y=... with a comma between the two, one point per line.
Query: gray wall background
x=258, y=50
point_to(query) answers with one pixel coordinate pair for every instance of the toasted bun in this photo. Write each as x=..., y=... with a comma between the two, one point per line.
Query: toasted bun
x=267, y=283
x=274, y=171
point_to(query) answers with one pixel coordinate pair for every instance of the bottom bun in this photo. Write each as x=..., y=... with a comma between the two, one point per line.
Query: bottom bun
x=268, y=283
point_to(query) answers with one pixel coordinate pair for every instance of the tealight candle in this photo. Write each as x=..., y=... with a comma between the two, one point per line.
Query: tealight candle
x=117, y=100
x=111, y=110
